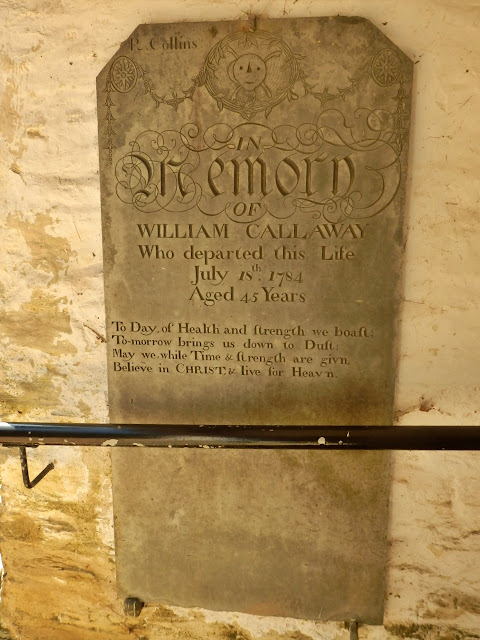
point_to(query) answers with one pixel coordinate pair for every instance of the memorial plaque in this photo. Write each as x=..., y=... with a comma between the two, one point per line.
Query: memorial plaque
x=253, y=186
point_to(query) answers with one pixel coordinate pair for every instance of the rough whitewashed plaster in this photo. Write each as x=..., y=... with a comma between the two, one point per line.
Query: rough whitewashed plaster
x=57, y=541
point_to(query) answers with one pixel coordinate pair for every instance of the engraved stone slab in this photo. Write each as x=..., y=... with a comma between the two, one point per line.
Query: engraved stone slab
x=253, y=186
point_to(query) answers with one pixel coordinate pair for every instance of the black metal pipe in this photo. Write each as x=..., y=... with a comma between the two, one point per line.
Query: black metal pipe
x=242, y=436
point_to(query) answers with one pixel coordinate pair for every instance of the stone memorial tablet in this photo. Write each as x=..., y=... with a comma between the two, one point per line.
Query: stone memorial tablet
x=253, y=187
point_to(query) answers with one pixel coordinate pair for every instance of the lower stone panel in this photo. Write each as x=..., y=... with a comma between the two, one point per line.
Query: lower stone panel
x=277, y=533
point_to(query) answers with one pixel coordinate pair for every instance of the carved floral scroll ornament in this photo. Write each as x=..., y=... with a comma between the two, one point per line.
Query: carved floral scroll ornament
x=251, y=73
x=330, y=169
x=334, y=165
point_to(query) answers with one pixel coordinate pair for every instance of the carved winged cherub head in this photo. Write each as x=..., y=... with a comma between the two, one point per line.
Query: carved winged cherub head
x=249, y=71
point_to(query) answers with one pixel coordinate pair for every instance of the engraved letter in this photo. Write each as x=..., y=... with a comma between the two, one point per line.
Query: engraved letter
x=250, y=176
x=211, y=184
x=351, y=168
x=308, y=176
x=281, y=187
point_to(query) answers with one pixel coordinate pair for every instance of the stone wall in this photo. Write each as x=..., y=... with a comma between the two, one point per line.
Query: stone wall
x=57, y=540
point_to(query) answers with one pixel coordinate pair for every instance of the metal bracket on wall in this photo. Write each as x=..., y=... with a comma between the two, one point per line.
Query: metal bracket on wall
x=353, y=626
x=29, y=484
x=133, y=607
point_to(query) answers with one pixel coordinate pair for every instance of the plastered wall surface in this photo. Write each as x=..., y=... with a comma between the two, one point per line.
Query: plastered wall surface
x=57, y=540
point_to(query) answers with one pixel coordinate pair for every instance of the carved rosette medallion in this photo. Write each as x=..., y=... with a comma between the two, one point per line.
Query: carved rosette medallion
x=386, y=67
x=123, y=74
x=250, y=72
